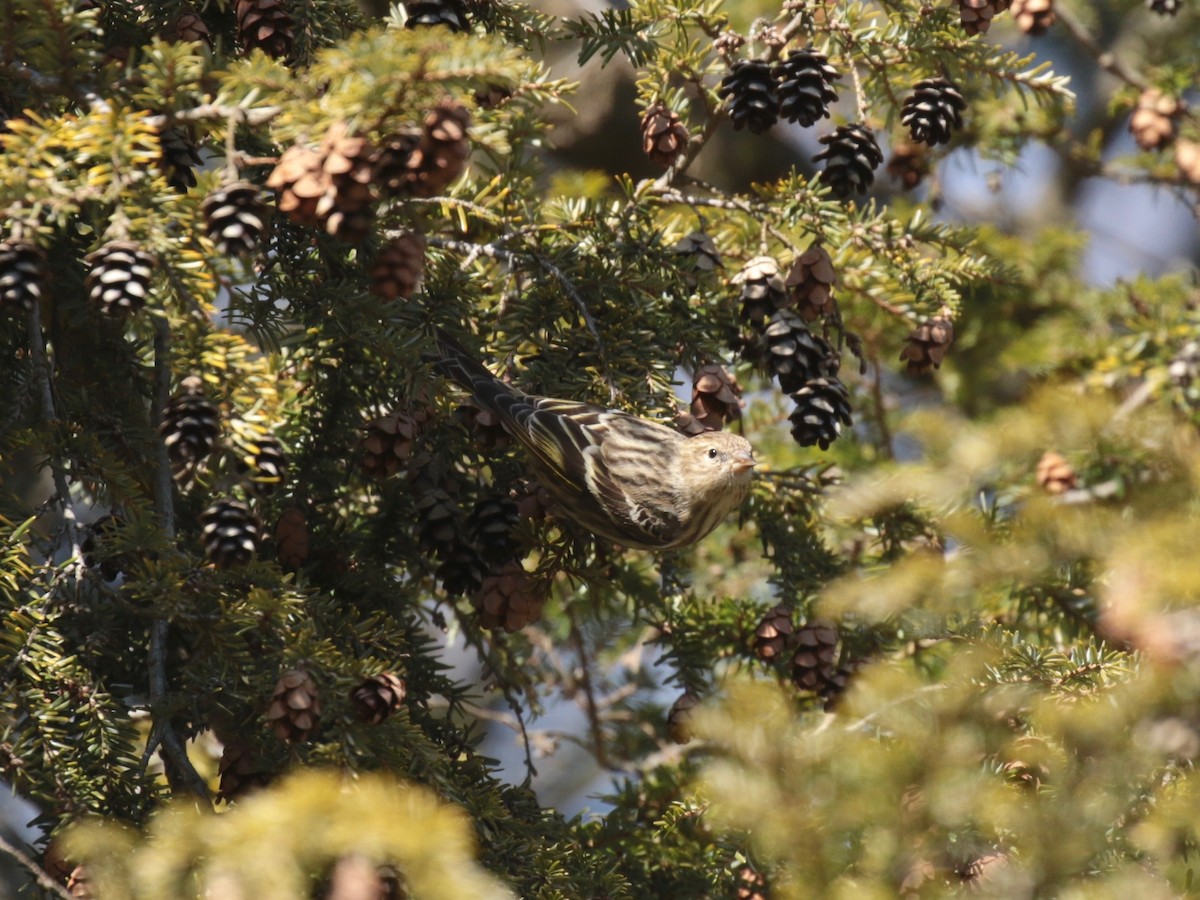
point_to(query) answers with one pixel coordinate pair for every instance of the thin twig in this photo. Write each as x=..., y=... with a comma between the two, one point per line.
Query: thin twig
x=885, y=433
x=1104, y=59
x=591, y=707
x=40, y=875
x=512, y=256
x=217, y=111
x=181, y=774
x=41, y=366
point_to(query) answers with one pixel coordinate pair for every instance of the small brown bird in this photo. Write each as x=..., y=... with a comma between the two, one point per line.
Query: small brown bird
x=629, y=480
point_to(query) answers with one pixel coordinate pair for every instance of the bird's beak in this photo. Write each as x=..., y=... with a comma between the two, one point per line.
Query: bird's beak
x=744, y=461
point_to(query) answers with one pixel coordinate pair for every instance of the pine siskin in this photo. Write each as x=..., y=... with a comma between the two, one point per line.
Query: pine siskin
x=629, y=480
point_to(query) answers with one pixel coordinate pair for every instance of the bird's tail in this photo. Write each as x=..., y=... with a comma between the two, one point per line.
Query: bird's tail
x=458, y=364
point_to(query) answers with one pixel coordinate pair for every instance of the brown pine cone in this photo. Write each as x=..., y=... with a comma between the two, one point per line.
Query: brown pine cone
x=664, y=136
x=908, y=164
x=698, y=253
x=389, y=442
x=510, y=598
x=679, y=718
x=976, y=15
x=1054, y=473
x=399, y=266
x=377, y=697
x=926, y=347
x=810, y=282
x=716, y=397
x=774, y=634
x=188, y=26
x=265, y=25
x=763, y=289
x=751, y=885
x=331, y=187
x=485, y=427
x=1034, y=17
x=441, y=156
x=242, y=771
x=1153, y=121
x=1187, y=159
x=291, y=538
x=814, y=665
x=295, y=706
x=533, y=501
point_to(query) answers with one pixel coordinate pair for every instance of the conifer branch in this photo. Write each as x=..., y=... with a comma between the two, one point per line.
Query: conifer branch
x=40, y=875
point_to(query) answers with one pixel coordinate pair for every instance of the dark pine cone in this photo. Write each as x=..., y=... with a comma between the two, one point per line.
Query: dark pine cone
x=793, y=354
x=230, y=533
x=422, y=13
x=190, y=427
x=235, y=218
x=21, y=268
x=805, y=86
x=751, y=95
x=851, y=158
x=377, y=697
x=119, y=280
x=934, y=111
x=822, y=407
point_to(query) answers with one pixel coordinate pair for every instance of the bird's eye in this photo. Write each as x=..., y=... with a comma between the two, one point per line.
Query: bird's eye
x=712, y=452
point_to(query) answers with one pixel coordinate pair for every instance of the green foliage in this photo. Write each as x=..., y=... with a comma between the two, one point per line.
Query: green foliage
x=1011, y=701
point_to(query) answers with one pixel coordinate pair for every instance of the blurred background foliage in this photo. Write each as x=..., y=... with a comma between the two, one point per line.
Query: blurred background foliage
x=283, y=616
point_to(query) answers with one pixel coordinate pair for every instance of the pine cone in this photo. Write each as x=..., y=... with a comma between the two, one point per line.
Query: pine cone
x=235, y=218
x=441, y=156
x=178, y=158
x=810, y=282
x=926, y=347
x=291, y=538
x=822, y=407
x=1164, y=7
x=439, y=519
x=393, y=173
x=389, y=440
x=1185, y=366
x=462, y=571
x=331, y=187
x=1187, y=160
x=976, y=15
x=399, y=266
x=266, y=465
x=533, y=500
x=97, y=556
x=485, y=427
x=751, y=95
x=679, y=718
x=793, y=354
x=189, y=27
x=933, y=111
x=22, y=267
x=764, y=291
x=510, y=598
x=716, y=397
x=751, y=885
x=422, y=13
x=909, y=164
x=119, y=280
x=1153, y=122
x=1034, y=17
x=806, y=86
x=491, y=525
x=295, y=706
x=773, y=635
x=1054, y=473
x=79, y=884
x=814, y=665
x=230, y=533
x=377, y=697
x=664, y=136
x=242, y=771
x=190, y=427
x=265, y=25
x=851, y=158
x=698, y=253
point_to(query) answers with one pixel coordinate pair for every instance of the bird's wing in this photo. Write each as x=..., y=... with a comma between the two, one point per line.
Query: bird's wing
x=608, y=451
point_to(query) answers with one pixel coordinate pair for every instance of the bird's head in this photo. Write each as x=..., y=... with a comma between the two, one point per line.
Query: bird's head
x=716, y=463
